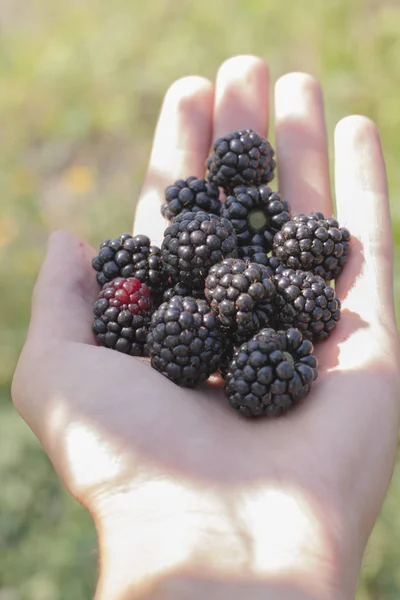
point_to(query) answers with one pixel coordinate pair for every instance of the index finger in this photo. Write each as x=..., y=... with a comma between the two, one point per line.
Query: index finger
x=181, y=144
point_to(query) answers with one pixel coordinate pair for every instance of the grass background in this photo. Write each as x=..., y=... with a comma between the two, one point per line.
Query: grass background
x=81, y=86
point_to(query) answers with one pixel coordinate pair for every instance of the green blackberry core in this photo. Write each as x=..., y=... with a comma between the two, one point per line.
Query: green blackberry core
x=257, y=213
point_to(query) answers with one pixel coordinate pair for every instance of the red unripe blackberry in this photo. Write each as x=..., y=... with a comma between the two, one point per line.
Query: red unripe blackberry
x=122, y=315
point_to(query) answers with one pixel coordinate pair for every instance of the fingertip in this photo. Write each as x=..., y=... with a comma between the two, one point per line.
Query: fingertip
x=241, y=96
x=65, y=290
x=242, y=64
x=61, y=239
x=184, y=89
x=295, y=94
x=304, y=82
x=358, y=156
x=356, y=127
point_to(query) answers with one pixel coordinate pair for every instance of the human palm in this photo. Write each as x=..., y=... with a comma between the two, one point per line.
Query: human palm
x=114, y=427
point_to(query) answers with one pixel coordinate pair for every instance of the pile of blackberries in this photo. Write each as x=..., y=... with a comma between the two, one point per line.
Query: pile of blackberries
x=239, y=286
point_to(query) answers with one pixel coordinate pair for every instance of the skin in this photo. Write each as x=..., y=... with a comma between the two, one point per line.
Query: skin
x=188, y=498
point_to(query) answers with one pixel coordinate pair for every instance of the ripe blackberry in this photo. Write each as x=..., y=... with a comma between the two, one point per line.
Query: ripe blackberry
x=193, y=243
x=241, y=158
x=122, y=315
x=313, y=243
x=305, y=301
x=127, y=256
x=271, y=373
x=256, y=215
x=242, y=296
x=191, y=195
x=184, y=341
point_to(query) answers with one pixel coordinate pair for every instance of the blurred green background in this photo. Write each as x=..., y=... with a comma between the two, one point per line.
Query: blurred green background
x=81, y=84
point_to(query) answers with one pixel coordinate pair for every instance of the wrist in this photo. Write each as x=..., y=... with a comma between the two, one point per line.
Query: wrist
x=167, y=540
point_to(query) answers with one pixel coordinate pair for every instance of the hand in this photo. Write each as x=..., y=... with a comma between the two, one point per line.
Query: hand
x=180, y=487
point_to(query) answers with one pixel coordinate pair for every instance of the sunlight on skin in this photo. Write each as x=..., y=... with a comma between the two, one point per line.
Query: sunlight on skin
x=93, y=459
x=357, y=351
x=260, y=533
x=282, y=524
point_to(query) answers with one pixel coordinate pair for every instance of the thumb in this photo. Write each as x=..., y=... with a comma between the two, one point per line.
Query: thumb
x=64, y=294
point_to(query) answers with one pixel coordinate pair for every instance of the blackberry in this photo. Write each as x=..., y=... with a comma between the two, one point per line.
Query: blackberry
x=127, y=256
x=242, y=296
x=271, y=373
x=193, y=243
x=313, y=243
x=184, y=341
x=256, y=215
x=191, y=195
x=241, y=158
x=122, y=315
x=305, y=301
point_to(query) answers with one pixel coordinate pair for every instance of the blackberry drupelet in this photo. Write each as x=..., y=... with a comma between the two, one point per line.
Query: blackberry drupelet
x=305, y=301
x=191, y=195
x=271, y=373
x=242, y=296
x=192, y=244
x=241, y=158
x=313, y=243
x=255, y=254
x=226, y=358
x=180, y=289
x=184, y=341
x=122, y=316
x=127, y=256
x=256, y=215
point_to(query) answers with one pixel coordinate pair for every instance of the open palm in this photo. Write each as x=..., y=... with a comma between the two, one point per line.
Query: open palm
x=114, y=427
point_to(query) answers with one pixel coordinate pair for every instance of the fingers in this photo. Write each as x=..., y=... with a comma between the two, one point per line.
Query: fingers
x=241, y=96
x=66, y=289
x=366, y=284
x=181, y=144
x=301, y=144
